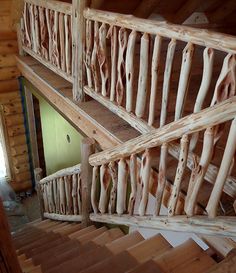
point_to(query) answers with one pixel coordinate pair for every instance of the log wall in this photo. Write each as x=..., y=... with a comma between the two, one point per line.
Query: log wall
x=10, y=102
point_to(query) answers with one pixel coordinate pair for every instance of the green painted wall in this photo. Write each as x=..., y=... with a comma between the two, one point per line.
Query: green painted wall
x=59, y=152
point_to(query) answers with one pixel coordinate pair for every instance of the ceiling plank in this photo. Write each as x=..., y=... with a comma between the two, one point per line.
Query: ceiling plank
x=145, y=8
x=222, y=11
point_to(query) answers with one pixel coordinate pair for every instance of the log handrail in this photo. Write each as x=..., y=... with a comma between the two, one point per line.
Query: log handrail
x=211, y=116
x=202, y=37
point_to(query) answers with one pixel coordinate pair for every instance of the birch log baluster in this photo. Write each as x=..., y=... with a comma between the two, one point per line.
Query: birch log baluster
x=94, y=60
x=32, y=29
x=94, y=189
x=167, y=80
x=121, y=186
x=145, y=177
x=89, y=46
x=143, y=76
x=45, y=199
x=58, y=196
x=27, y=25
x=79, y=193
x=103, y=59
x=154, y=78
x=43, y=33
x=120, y=85
x=113, y=168
x=161, y=178
x=208, y=61
x=36, y=26
x=55, y=51
x=224, y=170
x=133, y=182
x=74, y=194
x=129, y=70
x=113, y=36
x=62, y=196
x=62, y=41
x=49, y=20
x=105, y=182
x=179, y=175
x=184, y=79
x=54, y=187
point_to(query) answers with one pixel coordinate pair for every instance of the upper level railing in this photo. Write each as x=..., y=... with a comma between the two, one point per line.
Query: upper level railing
x=61, y=194
x=119, y=174
x=152, y=73
x=47, y=34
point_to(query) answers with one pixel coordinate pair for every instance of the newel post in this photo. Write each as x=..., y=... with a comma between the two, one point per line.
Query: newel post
x=37, y=178
x=87, y=149
x=78, y=43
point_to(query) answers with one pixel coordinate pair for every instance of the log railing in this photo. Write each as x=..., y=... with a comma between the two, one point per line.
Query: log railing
x=62, y=194
x=119, y=172
x=135, y=68
x=47, y=34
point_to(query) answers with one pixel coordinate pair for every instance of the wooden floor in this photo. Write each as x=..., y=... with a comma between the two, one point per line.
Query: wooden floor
x=50, y=246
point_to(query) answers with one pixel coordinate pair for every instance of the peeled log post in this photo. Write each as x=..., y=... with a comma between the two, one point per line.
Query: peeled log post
x=74, y=194
x=208, y=61
x=184, y=79
x=103, y=59
x=94, y=202
x=145, y=177
x=167, y=80
x=113, y=168
x=223, y=172
x=129, y=70
x=133, y=182
x=67, y=180
x=143, y=76
x=104, y=182
x=120, y=85
x=113, y=35
x=44, y=43
x=55, y=51
x=161, y=178
x=79, y=193
x=87, y=149
x=88, y=54
x=179, y=175
x=54, y=192
x=62, y=41
x=37, y=178
x=94, y=60
x=121, y=187
x=154, y=78
x=32, y=28
x=26, y=25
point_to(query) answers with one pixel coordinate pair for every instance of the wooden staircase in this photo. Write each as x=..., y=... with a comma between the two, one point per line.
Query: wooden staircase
x=52, y=246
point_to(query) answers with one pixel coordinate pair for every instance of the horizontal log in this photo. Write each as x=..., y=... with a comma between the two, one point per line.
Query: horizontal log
x=219, y=226
x=60, y=217
x=21, y=168
x=202, y=37
x=16, y=130
x=17, y=140
x=195, y=122
x=19, y=159
x=19, y=150
x=10, y=97
x=7, y=60
x=8, y=47
x=64, y=172
x=9, y=85
x=53, y=5
x=12, y=120
x=7, y=35
x=25, y=176
x=48, y=64
x=21, y=186
x=8, y=73
x=12, y=108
